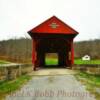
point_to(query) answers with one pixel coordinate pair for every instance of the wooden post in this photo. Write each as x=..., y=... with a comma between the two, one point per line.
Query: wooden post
x=8, y=74
x=20, y=70
x=72, y=53
x=34, y=54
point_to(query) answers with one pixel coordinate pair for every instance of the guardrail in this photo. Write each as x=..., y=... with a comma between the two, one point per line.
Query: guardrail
x=11, y=71
x=89, y=68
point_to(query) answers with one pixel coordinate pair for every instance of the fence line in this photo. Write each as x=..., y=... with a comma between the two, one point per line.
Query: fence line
x=89, y=68
x=12, y=71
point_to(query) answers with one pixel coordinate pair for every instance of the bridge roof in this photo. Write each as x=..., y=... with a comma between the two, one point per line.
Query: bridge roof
x=53, y=26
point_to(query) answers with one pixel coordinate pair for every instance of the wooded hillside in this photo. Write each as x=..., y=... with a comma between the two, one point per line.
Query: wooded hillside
x=16, y=50
x=20, y=50
x=91, y=48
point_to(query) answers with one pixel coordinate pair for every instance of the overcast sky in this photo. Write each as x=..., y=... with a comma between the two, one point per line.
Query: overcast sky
x=19, y=16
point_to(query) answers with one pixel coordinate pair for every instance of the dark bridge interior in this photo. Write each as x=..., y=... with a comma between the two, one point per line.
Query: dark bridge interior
x=53, y=45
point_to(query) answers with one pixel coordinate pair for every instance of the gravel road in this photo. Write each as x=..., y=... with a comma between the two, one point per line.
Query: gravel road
x=58, y=87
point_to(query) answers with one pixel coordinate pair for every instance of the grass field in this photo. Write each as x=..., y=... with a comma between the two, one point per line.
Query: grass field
x=92, y=83
x=7, y=87
x=51, y=61
x=54, y=61
x=4, y=62
x=79, y=61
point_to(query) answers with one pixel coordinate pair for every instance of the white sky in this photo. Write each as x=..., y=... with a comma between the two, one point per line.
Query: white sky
x=19, y=16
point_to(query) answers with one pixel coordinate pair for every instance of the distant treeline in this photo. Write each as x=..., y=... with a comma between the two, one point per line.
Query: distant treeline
x=20, y=50
x=16, y=50
x=90, y=47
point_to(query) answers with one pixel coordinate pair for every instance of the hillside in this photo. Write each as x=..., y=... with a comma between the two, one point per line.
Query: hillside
x=17, y=50
x=20, y=50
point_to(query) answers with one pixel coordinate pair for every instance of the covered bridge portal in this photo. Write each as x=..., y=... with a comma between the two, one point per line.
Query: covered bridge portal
x=53, y=37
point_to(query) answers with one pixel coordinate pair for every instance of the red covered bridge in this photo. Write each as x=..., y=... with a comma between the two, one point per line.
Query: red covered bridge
x=53, y=36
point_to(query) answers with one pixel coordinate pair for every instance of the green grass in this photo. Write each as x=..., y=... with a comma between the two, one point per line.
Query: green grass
x=79, y=61
x=7, y=87
x=51, y=61
x=4, y=62
x=54, y=61
x=91, y=82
